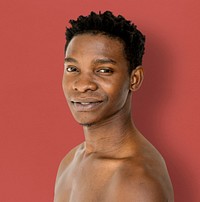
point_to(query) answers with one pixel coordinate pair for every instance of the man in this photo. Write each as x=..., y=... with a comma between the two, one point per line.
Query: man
x=115, y=163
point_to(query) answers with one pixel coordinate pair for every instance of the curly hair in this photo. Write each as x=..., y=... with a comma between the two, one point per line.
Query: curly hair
x=112, y=26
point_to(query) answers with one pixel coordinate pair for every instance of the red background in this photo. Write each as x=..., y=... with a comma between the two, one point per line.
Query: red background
x=36, y=127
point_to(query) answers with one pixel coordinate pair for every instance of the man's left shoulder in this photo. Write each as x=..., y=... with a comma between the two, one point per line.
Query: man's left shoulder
x=145, y=182
x=142, y=185
x=144, y=188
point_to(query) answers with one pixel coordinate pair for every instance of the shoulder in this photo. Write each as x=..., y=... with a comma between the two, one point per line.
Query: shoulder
x=142, y=187
x=67, y=160
x=144, y=177
x=142, y=183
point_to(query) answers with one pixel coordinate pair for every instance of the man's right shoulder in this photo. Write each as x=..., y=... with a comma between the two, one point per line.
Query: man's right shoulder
x=68, y=159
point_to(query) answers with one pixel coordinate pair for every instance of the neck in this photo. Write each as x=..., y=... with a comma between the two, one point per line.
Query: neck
x=111, y=138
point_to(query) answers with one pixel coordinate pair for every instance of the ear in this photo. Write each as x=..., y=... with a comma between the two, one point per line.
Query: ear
x=137, y=76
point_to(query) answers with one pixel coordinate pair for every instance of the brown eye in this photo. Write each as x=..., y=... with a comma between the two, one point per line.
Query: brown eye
x=71, y=69
x=105, y=71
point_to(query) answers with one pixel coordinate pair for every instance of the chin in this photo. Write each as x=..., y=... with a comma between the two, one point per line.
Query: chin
x=86, y=121
x=87, y=124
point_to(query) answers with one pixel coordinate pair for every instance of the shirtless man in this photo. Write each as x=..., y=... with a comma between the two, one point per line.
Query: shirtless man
x=115, y=163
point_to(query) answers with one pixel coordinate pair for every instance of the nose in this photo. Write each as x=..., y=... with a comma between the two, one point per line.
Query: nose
x=85, y=83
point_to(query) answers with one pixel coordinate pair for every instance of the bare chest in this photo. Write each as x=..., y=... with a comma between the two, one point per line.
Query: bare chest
x=85, y=182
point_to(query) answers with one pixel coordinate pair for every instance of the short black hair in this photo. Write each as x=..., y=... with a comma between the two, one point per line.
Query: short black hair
x=113, y=26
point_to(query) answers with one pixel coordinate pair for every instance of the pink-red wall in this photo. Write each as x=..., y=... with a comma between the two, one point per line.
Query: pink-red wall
x=36, y=127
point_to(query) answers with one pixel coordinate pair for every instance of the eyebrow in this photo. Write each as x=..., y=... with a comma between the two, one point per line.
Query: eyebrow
x=96, y=61
x=104, y=61
x=69, y=59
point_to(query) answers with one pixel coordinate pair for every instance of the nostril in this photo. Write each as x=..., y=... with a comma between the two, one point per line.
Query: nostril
x=84, y=85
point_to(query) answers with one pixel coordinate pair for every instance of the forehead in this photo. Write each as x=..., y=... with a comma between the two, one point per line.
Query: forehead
x=95, y=46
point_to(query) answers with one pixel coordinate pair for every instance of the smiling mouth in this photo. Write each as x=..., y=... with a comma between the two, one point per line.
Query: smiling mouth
x=86, y=106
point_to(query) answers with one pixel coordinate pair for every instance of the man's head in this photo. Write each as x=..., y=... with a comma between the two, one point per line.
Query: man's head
x=112, y=26
x=102, y=67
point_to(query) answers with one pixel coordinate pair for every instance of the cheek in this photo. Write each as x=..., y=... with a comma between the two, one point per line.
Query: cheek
x=66, y=84
x=118, y=92
x=119, y=98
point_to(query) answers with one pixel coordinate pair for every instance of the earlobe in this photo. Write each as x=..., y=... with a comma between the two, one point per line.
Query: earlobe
x=137, y=77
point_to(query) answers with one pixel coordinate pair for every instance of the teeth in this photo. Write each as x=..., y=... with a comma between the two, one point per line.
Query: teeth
x=85, y=103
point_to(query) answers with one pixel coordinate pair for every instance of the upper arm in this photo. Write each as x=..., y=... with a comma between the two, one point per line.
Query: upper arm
x=146, y=190
x=142, y=189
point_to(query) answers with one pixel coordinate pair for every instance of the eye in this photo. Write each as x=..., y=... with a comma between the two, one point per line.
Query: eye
x=105, y=71
x=71, y=69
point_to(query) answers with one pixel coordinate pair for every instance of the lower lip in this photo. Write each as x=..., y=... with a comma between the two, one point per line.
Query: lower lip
x=86, y=107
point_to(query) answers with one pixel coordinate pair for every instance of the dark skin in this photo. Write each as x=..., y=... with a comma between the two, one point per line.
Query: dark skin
x=115, y=163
